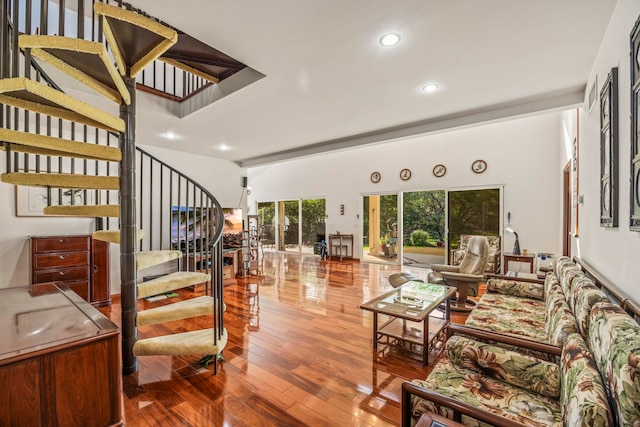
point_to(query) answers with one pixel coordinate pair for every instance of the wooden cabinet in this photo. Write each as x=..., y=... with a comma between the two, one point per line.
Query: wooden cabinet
x=59, y=360
x=78, y=261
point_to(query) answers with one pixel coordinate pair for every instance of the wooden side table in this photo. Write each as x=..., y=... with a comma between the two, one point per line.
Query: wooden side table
x=341, y=245
x=526, y=259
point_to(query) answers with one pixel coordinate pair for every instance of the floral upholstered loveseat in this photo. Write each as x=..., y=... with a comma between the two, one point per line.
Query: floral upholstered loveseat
x=597, y=371
x=546, y=312
x=499, y=386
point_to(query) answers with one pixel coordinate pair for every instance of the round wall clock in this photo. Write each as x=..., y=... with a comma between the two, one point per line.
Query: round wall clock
x=405, y=174
x=375, y=177
x=439, y=170
x=479, y=166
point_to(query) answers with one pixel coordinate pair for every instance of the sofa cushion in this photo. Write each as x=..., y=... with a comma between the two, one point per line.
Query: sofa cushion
x=567, y=278
x=551, y=281
x=513, y=303
x=530, y=325
x=583, y=398
x=560, y=321
x=516, y=288
x=562, y=263
x=614, y=340
x=480, y=391
x=512, y=367
x=585, y=295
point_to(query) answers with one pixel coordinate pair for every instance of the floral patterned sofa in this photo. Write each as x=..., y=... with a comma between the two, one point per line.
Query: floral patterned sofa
x=546, y=312
x=496, y=386
x=595, y=381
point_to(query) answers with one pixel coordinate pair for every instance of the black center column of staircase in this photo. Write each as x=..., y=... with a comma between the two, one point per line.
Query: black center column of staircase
x=128, y=226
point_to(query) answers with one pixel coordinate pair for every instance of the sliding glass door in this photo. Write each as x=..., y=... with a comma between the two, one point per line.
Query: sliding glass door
x=380, y=228
x=473, y=212
x=266, y=220
x=288, y=217
x=313, y=220
x=423, y=228
x=292, y=225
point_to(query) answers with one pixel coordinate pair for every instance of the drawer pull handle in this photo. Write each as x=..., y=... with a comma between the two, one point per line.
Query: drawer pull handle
x=95, y=268
x=62, y=256
x=63, y=240
x=62, y=273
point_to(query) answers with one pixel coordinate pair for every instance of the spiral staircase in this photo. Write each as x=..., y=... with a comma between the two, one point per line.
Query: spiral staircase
x=133, y=42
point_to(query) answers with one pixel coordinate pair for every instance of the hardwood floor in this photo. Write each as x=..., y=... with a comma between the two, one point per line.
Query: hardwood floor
x=299, y=353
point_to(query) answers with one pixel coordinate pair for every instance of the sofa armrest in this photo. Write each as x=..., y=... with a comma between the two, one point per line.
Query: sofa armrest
x=485, y=335
x=409, y=389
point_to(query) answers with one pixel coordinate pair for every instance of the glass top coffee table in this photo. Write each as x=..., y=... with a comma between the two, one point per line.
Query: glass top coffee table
x=413, y=319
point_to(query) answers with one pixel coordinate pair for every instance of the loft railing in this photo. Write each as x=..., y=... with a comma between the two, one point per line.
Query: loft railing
x=161, y=188
x=75, y=18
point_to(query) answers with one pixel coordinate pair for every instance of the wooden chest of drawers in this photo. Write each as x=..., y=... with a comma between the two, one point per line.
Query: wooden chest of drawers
x=79, y=262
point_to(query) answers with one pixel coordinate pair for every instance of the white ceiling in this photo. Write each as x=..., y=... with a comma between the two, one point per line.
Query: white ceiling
x=330, y=84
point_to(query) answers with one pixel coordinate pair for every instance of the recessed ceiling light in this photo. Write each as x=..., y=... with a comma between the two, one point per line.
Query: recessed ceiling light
x=169, y=135
x=390, y=39
x=431, y=87
x=222, y=147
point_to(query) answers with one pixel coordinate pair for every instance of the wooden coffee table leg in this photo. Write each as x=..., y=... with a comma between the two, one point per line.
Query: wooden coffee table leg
x=425, y=342
x=375, y=331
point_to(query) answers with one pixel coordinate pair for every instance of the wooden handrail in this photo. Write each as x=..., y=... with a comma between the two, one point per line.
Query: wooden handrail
x=505, y=339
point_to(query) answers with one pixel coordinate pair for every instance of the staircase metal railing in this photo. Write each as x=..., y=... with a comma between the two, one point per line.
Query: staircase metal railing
x=164, y=193
x=181, y=215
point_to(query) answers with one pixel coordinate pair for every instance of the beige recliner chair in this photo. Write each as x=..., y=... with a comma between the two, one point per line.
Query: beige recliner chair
x=467, y=276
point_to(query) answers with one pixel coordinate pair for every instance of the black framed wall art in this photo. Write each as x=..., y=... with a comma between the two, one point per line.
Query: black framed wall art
x=634, y=217
x=609, y=151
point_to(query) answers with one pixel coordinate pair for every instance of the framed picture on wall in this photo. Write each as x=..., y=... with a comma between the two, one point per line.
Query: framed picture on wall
x=30, y=201
x=609, y=151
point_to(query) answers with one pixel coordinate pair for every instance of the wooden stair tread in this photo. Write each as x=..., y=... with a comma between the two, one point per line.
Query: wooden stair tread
x=37, y=97
x=147, y=259
x=86, y=61
x=113, y=236
x=135, y=40
x=171, y=282
x=62, y=180
x=49, y=145
x=89, y=211
x=180, y=310
x=195, y=342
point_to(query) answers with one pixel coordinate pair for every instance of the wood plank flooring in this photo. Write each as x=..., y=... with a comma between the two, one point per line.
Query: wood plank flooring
x=299, y=354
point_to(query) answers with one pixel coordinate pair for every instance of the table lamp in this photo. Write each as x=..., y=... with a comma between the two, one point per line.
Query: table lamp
x=516, y=246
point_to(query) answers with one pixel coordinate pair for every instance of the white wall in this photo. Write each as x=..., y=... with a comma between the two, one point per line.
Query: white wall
x=221, y=177
x=521, y=154
x=613, y=252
